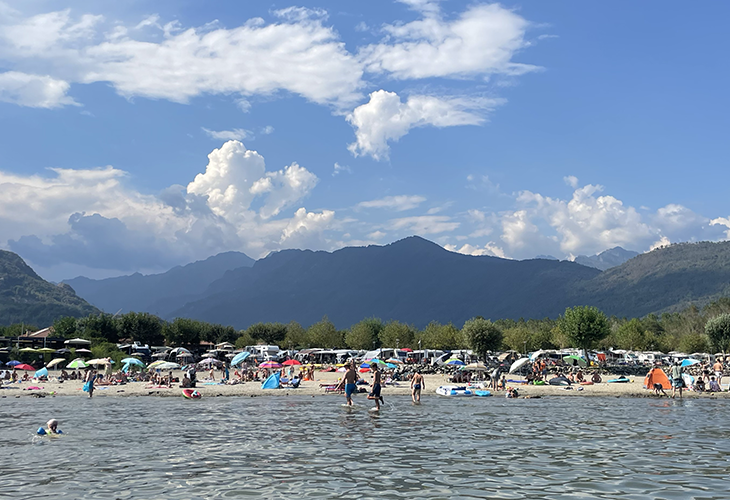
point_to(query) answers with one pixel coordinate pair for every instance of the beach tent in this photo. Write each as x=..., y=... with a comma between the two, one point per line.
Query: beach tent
x=43, y=372
x=656, y=376
x=272, y=382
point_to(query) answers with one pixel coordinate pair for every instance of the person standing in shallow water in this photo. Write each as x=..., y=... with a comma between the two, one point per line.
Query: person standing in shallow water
x=375, y=394
x=677, y=380
x=350, y=380
x=417, y=384
x=89, y=380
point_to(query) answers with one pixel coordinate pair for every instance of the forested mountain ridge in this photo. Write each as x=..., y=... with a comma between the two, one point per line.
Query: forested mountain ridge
x=27, y=298
x=666, y=279
x=412, y=280
x=158, y=293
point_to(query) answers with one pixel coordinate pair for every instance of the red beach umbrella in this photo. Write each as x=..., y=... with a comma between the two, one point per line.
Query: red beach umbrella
x=23, y=366
x=291, y=362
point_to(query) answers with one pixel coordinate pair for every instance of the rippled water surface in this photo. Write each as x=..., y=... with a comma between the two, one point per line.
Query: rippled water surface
x=290, y=447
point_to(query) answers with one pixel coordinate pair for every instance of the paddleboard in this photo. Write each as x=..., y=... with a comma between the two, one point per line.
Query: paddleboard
x=617, y=381
x=483, y=394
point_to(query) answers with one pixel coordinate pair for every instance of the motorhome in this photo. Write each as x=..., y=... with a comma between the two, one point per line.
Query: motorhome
x=264, y=352
x=387, y=353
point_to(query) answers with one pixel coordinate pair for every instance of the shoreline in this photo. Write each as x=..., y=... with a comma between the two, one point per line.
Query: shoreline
x=72, y=388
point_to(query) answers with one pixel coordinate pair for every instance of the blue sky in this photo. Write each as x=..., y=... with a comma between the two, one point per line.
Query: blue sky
x=514, y=129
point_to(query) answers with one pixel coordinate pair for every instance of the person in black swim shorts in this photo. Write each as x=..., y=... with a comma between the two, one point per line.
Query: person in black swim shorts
x=417, y=383
x=375, y=393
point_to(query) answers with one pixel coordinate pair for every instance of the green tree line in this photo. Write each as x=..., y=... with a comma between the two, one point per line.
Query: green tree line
x=690, y=330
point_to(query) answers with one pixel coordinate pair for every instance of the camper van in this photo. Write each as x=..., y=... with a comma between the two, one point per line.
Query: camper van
x=387, y=353
x=264, y=352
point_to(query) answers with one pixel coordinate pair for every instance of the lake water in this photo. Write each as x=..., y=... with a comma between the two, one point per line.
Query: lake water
x=292, y=447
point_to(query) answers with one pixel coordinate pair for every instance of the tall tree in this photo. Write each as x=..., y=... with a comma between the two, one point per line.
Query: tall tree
x=482, y=335
x=397, y=334
x=296, y=336
x=65, y=327
x=324, y=334
x=718, y=332
x=364, y=335
x=584, y=326
x=444, y=337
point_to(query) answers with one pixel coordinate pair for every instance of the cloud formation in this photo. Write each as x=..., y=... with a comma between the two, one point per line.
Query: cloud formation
x=295, y=54
x=398, y=203
x=385, y=118
x=92, y=218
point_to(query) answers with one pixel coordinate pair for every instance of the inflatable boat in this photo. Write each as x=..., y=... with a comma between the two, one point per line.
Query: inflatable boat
x=454, y=391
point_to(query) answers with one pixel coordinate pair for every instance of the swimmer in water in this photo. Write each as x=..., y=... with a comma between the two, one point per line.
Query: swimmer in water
x=52, y=428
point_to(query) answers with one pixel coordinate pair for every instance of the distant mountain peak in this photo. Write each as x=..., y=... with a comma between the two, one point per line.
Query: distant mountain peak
x=607, y=259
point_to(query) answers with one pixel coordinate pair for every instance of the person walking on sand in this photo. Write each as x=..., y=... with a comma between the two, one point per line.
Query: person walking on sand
x=417, y=383
x=677, y=380
x=375, y=393
x=350, y=381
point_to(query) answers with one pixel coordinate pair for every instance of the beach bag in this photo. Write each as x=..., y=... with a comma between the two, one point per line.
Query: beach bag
x=87, y=386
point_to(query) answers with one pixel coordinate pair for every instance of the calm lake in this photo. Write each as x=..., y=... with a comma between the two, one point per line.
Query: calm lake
x=291, y=447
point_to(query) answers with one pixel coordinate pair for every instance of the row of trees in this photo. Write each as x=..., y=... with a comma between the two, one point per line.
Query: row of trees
x=691, y=330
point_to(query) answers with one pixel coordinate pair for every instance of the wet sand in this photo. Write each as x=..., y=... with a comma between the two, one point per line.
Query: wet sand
x=312, y=388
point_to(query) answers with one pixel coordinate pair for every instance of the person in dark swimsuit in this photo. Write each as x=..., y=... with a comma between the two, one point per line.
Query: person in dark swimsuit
x=375, y=393
x=417, y=383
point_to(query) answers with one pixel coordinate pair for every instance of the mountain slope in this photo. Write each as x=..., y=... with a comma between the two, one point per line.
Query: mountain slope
x=158, y=293
x=607, y=259
x=665, y=279
x=25, y=297
x=411, y=280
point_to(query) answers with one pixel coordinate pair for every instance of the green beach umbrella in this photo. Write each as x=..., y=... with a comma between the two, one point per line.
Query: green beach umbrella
x=569, y=360
x=77, y=363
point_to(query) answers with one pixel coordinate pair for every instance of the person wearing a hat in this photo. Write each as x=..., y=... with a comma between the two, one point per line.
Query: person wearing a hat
x=52, y=428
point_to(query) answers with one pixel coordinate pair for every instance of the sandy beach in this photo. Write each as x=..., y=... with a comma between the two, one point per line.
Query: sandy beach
x=208, y=388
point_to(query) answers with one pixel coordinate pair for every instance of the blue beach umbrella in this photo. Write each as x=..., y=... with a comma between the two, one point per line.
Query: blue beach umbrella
x=690, y=362
x=133, y=361
x=13, y=363
x=240, y=358
x=455, y=362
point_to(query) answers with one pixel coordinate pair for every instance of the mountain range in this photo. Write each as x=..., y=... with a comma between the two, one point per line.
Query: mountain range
x=27, y=298
x=160, y=294
x=606, y=259
x=411, y=280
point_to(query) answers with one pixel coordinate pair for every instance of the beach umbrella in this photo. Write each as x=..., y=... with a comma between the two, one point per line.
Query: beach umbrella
x=475, y=367
x=46, y=350
x=690, y=362
x=210, y=355
x=54, y=362
x=180, y=350
x=270, y=364
x=168, y=365
x=155, y=364
x=77, y=363
x=518, y=364
x=376, y=361
x=391, y=365
x=62, y=351
x=83, y=351
x=240, y=358
x=23, y=366
x=99, y=361
x=363, y=370
x=28, y=349
x=13, y=363
x=394, y=361
x=291, y=362
x=208, y=363
x=455, y=362
x=536, y=355
x=133, y=361
x=569, y=360
x=78, y=342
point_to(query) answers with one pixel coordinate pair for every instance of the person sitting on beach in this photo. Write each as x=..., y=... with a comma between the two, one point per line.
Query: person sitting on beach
x=579, y=376
x=26, y=377
x=714, y=386
x=699, y=385
x=512, y=393
x=52, y=428
x=596, y=378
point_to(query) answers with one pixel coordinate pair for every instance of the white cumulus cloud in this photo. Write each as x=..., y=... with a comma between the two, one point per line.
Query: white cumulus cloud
x=385, y=118
x=34, y=91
